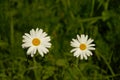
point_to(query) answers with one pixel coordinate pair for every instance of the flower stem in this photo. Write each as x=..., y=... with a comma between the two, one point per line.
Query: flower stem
x=35, y=69
x=77, y=67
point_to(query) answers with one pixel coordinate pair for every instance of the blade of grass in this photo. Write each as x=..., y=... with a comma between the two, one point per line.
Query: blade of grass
x=108, y=65
x=12, y=32
x=92, y=9
x=90, y=19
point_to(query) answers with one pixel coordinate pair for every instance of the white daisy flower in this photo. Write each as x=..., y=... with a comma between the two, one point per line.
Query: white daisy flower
x=37, y=40
x=82, y=46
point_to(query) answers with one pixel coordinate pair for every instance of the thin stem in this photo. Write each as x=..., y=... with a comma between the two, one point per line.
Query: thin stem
x=35, y=69
x=77, y=67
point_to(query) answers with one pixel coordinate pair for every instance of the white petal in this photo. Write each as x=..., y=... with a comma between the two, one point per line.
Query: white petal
x=34, y=51
x=73, y=50
x=37, y=30
x=27, y=35
x=32, y=33
x=89, y=52
x=91, y=45
x=32, y=55
x=89, y=41
x=27, y=40
x=82, y=36
x=27, y=44
x=40, y=52
x=43, y=35
x=81, y=56
x=46, y=39
x=30, y=50
x=86, y=38
x=44, y=50
x=40, y=31
x=47, y=45
x=77, y=53
x=84, y=55
x=79, y=39
x=75, y=43
x=91, y=48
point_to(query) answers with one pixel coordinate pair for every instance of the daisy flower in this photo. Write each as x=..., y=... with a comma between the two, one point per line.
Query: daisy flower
x=37, y=40
x=82, y=46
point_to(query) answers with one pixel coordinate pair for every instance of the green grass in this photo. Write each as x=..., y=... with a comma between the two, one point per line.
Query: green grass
x=62, y=20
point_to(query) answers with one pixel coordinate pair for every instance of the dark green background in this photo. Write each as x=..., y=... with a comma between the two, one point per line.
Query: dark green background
x=62, y=20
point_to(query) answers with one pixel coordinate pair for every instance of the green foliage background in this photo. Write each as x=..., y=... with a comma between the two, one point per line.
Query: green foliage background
x=62, y=20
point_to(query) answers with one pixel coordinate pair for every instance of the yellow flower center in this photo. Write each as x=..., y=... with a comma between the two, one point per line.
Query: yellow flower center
x=83, y=46
x=36, y=41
